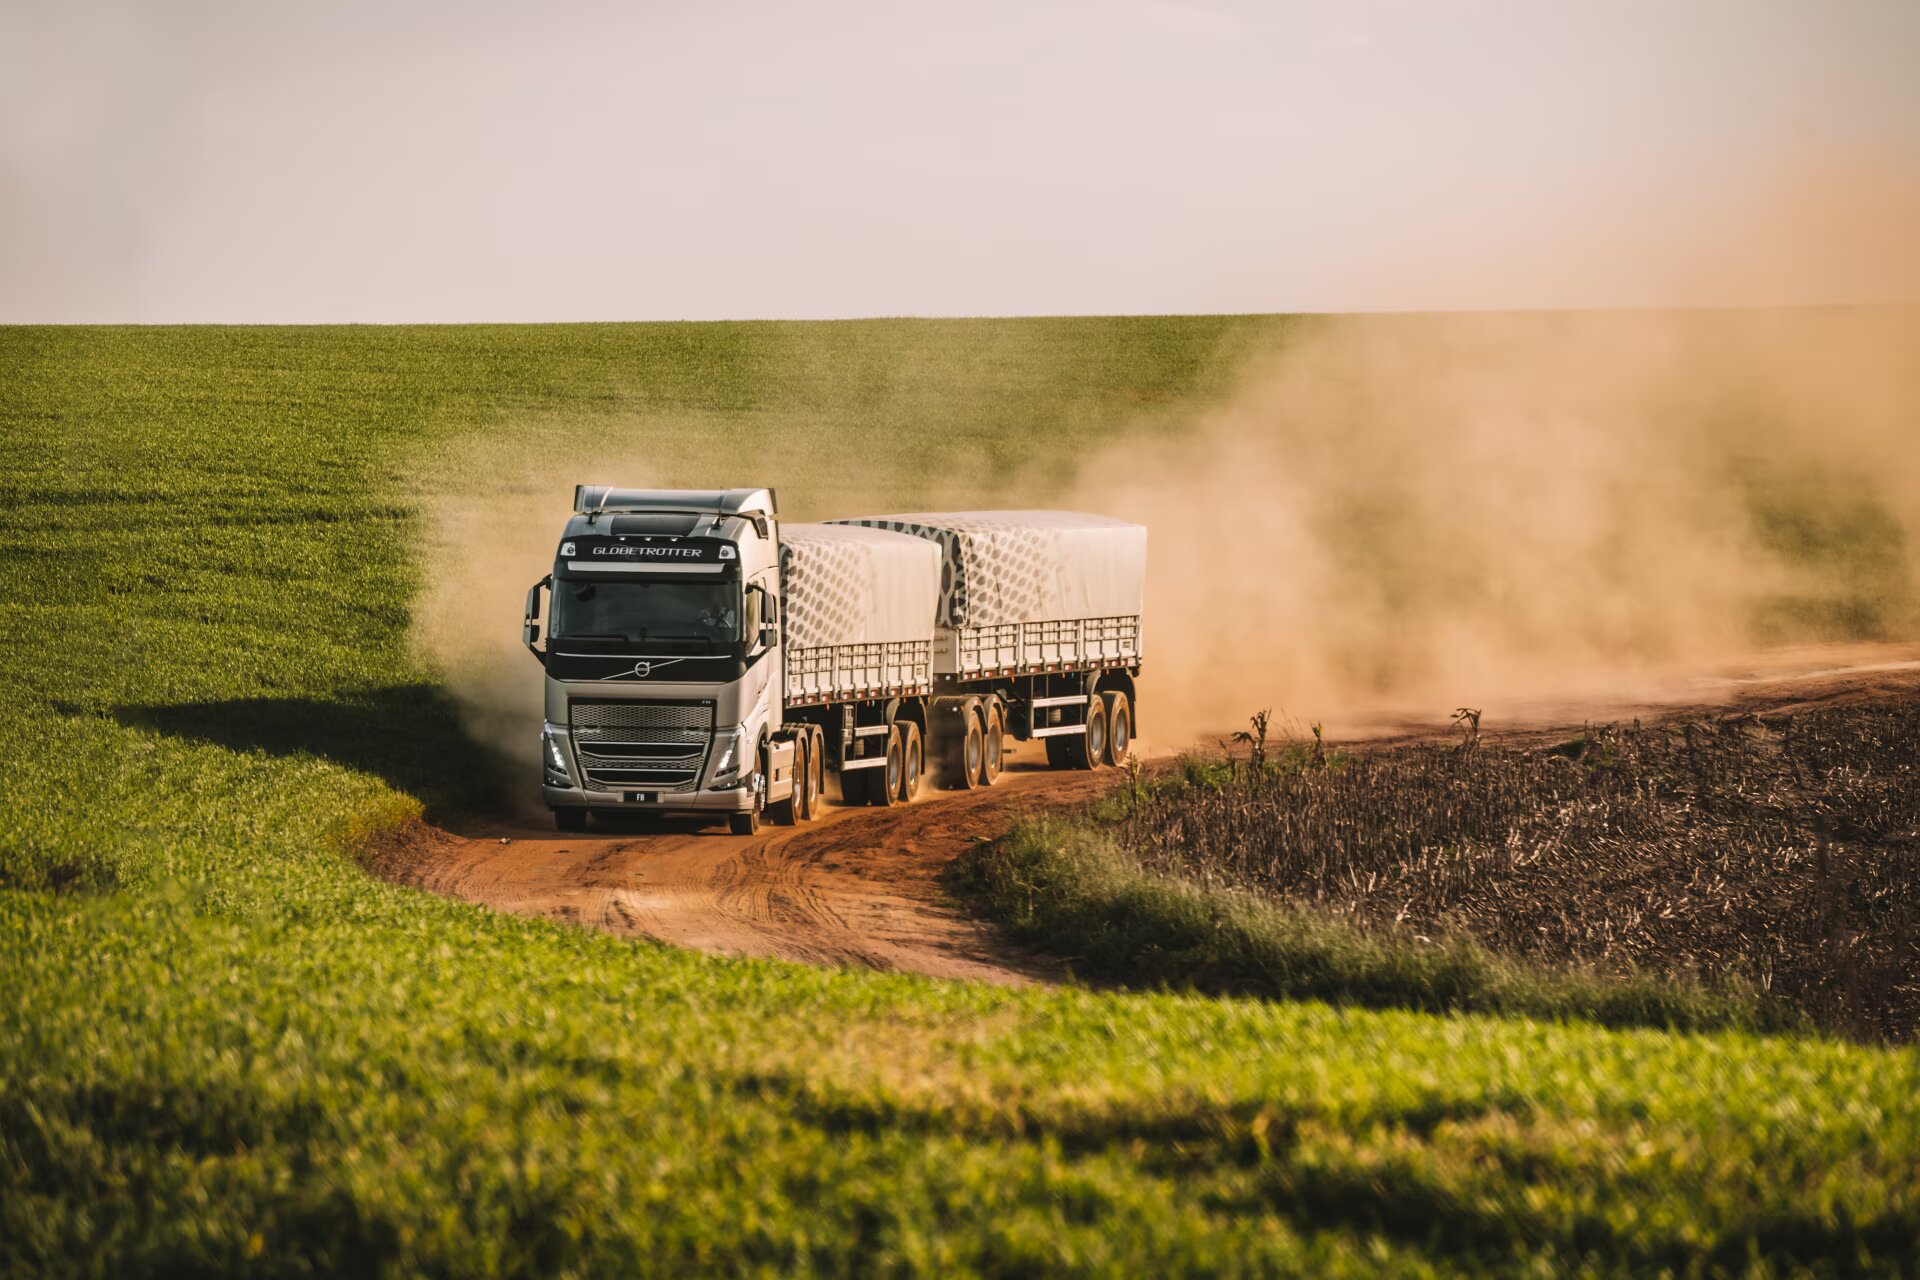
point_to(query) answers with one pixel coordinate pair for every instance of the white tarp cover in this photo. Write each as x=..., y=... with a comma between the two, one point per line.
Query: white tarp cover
x=1029, y=566
x=850, y=585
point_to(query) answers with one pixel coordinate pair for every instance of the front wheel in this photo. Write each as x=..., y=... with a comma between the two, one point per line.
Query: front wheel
x=570, y=819
x=748, y=823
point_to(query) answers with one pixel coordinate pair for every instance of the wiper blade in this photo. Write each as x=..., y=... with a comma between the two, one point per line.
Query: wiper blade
x=706, y=640
x=592, y=635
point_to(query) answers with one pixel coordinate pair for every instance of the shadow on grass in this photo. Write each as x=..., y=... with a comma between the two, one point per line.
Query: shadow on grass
x=408, y=735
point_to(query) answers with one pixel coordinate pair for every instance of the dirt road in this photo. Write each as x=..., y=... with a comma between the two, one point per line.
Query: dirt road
x=856, y=887
x=862, y=886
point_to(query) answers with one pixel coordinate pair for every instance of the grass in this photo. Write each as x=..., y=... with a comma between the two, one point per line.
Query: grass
x=1066, y=885
x=225, y=1049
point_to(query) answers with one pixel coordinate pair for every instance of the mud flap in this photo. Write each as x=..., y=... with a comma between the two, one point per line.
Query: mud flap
x=780, y=758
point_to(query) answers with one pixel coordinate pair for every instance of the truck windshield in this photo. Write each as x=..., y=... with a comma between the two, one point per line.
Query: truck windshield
x=706, y=614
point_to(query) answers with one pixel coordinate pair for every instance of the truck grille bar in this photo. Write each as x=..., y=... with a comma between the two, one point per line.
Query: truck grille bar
x=661, y=746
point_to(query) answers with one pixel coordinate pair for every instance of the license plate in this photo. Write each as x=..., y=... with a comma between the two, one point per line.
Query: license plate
x=642, y=797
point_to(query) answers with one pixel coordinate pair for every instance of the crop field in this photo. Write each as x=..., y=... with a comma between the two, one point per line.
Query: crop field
x=226, y=1048
x=1746, y=867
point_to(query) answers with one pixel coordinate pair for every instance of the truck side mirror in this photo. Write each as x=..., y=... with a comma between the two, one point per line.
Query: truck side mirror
x=530, y=627
x=769, y=635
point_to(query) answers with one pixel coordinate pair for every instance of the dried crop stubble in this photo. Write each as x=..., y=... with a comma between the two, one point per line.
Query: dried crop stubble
x=1782, y=851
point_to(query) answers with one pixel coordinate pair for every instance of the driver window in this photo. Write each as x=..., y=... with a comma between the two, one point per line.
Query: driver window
x=754, y=605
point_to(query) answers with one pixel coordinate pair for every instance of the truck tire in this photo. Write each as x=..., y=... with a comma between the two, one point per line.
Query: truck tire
x=748, y=823
x=954, y=723
x=803, y=777
x=993, y=752
x=817, y=796
x=1088, y=750
x=570, y=819
x=913, y=761
x=884, y=789
x=1119, y=726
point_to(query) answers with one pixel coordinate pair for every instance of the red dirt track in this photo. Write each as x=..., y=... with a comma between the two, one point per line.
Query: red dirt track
x=856, y=887
x=861, y=887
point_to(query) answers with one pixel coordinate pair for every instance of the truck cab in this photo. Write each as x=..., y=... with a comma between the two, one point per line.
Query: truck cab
x=662, y=654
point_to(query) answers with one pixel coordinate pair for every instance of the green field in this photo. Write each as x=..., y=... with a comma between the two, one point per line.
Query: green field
x=225, y=1048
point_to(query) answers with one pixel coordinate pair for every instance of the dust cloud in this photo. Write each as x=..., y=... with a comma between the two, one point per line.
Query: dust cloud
x=1436, y=511
x=492, y=524
x=1378, y=513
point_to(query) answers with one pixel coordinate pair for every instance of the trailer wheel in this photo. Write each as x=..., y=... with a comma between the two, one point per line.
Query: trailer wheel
x=884, y=791
x=913, y=761
x=971, y=750
x=993, y=752
x=570, y=819
x=1119, y=727
x=1089, y=750
x=817, y=776
x=957, y=743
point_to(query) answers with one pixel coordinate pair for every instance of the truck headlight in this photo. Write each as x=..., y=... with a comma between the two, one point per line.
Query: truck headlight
x=555, y=758
x=729, y=752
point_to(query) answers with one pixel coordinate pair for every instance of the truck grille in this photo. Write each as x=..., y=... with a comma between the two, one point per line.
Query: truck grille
x=659, y=746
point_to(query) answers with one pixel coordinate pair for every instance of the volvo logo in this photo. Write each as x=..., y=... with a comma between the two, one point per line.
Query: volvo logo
x=642, y=669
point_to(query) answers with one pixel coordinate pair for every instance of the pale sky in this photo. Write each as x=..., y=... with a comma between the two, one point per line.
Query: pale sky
x=208, y=160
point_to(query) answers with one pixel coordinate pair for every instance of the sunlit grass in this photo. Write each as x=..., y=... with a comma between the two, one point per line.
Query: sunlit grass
x=223, y=1047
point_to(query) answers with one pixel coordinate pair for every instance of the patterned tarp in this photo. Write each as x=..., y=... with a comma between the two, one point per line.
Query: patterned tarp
x=1029, y=566
x=851, y=585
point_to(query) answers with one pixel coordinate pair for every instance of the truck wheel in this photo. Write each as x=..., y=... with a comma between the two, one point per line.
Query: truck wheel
x=885, y=790
x=570, y=819
x=746, y=824
x=1089, y=750
x=993, y=751
x=817, y=773
x=956, y=753
x=803, y=777
x=966, y=751
x=913, y=762
x=1119, y=727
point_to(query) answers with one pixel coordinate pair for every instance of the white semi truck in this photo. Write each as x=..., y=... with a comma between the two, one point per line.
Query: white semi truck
x=703, y=657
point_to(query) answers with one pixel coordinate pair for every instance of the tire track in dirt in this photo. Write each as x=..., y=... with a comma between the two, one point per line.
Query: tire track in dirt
x=857, y=887
x=862, y=886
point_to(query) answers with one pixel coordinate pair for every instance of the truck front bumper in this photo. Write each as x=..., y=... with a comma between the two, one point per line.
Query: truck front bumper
x=715, y=800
